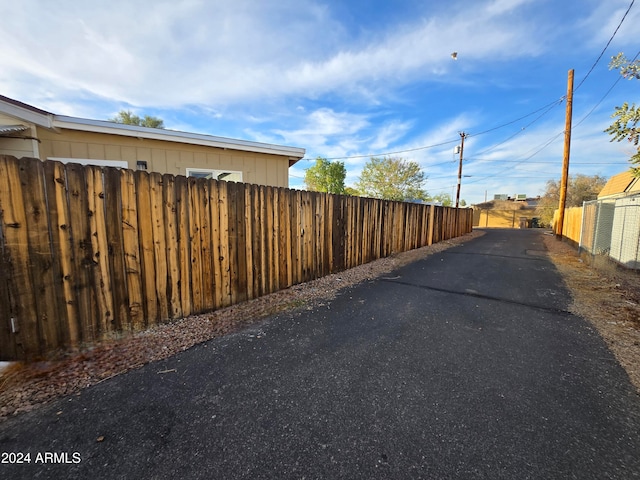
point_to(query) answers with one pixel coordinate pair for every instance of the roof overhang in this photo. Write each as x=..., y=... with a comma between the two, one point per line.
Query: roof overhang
x=618, y=185
x=112, y=128
x=26, y=112
x=41, y=118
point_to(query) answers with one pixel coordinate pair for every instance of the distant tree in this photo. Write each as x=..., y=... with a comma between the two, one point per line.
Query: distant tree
x=392, y=178
x=351, y=191
x=625, y=127
x=126, y=117
x=325, y=176
x=580, y=188
x=443, y=199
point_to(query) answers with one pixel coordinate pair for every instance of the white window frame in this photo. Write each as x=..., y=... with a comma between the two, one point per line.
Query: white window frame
x=216, y=174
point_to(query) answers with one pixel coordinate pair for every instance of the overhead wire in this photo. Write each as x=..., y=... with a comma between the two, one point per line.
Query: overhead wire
x=387, y=153
x=605, y=95
x=548, y=106
x=606, y=46
x=579, y=85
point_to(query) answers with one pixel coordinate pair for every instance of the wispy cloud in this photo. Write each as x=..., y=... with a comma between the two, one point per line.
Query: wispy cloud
x=163, y=53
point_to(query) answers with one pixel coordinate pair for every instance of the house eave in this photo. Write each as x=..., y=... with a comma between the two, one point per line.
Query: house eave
x=26, y=113
x=111, y=128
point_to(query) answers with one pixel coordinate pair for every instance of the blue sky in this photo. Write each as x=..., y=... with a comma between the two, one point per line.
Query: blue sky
x=343, y=78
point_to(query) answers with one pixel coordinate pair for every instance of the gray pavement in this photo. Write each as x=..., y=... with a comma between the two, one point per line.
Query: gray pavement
x=464, y=365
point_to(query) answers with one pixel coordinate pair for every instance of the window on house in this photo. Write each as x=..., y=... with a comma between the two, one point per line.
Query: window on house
x=226, y=175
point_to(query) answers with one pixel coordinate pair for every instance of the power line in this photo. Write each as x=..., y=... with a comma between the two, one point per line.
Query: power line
x=546, y=162
x=386, y=153
x=548, y=106
x=518, y=162
x=606, y=46
x=605, y=95
x=545, y=145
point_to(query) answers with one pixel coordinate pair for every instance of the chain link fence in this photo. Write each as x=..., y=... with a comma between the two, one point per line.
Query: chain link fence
x=611, y=228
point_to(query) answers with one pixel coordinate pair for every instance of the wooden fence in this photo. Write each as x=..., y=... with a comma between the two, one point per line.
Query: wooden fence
x=89, y=252
x=571, y=225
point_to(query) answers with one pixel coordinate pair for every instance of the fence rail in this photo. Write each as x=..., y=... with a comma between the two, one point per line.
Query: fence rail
x=88, y=252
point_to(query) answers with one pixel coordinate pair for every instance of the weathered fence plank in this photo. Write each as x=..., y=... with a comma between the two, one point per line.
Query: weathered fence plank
x=225, y=240
x=262, y=239
x=145, y=239
x=81, y=279
x=206, y=246
x=61, y=248
x=214, y=208
x=248, y=235
x=255, y=236
x=240, y=243
x=115, y=247
x=195, y=207
x=100, y=261
x=184, y=245
x=35, y=202
x=8, y=347
x=159, y=244
x=131, y=249
x=170, y=214
x=22, y=322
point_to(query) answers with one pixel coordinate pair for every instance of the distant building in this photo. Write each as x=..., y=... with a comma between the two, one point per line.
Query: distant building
x=506, y=212
x=621, y=184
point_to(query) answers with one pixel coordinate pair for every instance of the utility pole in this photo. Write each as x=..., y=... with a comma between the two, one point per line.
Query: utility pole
x=462, y=136
x=565, y=157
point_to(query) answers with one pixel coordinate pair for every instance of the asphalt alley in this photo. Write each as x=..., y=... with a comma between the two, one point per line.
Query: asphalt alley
x=466, y=364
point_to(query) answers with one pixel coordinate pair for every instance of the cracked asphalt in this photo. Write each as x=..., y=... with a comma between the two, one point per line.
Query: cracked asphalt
x=464, y=365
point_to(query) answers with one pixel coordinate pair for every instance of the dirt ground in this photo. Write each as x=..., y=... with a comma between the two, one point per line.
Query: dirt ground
x=607, y=297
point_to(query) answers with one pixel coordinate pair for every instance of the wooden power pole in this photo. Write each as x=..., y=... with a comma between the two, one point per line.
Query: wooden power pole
x=462, y=135
x=565, y=157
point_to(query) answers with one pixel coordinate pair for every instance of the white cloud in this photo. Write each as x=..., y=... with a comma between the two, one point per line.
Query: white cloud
x=169, y=54
x=327, y=131
x=603, y=21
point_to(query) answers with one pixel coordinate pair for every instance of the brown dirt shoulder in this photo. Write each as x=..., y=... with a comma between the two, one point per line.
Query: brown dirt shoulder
x=608, y=297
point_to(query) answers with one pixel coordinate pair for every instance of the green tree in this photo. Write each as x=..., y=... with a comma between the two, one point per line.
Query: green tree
x=443, y=198
x=326, y=176
x=351, y=191
x=580, y=188
x=127, y=117
x=392, y=178
x=625, y=126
